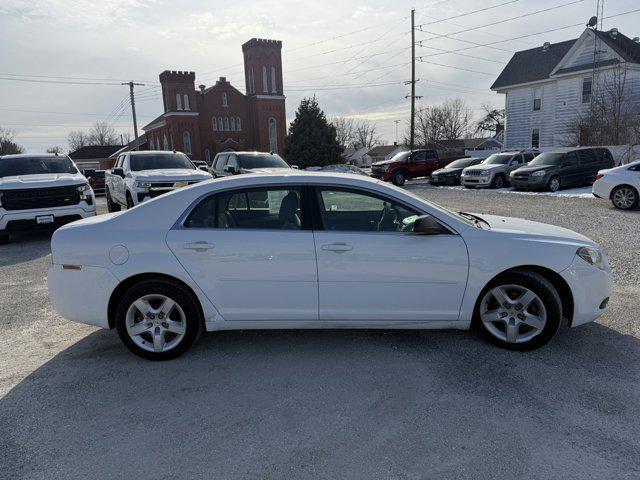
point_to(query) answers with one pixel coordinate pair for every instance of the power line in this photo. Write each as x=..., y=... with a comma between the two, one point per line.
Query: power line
x=468, y=13
x=420, y=59
x=66, y=78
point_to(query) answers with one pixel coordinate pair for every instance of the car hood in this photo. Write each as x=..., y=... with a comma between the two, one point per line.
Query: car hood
x=385, y=162
x=535, y=168
x=44, y=180
x=444, y=171
x=482, y=166
x=520, y=226
x=171, y=174
x=266, y=170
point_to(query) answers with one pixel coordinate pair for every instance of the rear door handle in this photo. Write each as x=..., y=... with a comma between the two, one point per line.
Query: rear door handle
x=337, y=247
x=199, y=246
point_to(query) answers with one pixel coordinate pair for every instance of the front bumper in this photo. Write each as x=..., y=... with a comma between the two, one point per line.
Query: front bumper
x=591, y=289
x=13, y=220
x=81, y=295
x=444, y=180
x=476, y=181
x=384, y=176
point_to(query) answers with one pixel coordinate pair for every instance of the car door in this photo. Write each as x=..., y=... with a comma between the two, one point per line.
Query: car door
x=218, y=165
x=417, y=165
x=252, y=252
x=516, y=162
x=570, y=169
x=117, y=186
x=588, y=166
x=372, y=267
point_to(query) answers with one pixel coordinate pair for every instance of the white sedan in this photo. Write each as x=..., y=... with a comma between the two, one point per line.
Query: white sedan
x=319, y=250
x=621, y=185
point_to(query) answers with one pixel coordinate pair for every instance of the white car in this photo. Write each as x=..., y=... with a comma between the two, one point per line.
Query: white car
x=140, y=176
x=621, y=185
x=319, y=250
x=39, y=190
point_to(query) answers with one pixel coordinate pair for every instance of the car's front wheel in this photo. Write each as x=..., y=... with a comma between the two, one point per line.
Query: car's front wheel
x=158, y=319
x=519, y=310
x=399, y=179
x=554, y=184
x=111, y=205
x=625, y=197
x=498, y=181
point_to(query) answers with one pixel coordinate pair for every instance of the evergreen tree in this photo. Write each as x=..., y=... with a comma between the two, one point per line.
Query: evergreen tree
x=311, y=140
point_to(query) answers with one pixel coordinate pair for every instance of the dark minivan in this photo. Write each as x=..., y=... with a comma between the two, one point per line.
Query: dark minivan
x=562, y=168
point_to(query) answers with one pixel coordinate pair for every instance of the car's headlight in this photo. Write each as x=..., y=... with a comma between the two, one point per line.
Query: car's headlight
x=384, y=168
x=139, y=184
x=484, y=172
x=84, y=187
x=593, y=256
x=540, y=173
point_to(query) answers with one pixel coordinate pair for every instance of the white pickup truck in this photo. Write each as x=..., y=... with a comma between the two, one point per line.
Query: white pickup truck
x=140, y=176
x=41, y=190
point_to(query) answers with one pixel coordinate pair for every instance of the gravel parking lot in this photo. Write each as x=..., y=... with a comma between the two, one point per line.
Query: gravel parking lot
x=74, y=403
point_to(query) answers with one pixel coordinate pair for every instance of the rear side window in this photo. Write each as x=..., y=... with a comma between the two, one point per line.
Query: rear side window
x=528, y=157
x=431, y=154
x=570, y=160
x=275, y=208
x=204, y=215
x=587, y=157
x=419, y=157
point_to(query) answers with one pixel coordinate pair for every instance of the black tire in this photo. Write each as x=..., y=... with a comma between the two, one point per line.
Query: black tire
x=111, y=205
x=469, y=186
x=399, y=179
x=499, y=181
x=4, y=238
x=130, y=204
x=175, y=292
x=631, y=200
x=547, y=294
x=553, y=185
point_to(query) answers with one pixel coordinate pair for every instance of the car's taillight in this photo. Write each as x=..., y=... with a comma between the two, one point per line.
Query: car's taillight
x=599, y=176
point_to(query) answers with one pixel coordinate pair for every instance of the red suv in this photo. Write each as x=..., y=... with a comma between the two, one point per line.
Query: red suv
x=408, y=165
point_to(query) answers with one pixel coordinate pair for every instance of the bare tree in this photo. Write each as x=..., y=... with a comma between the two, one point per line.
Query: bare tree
x=54, y=149
x=345, y=128
x=77, y=139
x=492, y=121
x=7, y=144
x=126, y=138
x=450, y=120
x=365, y=134
x=103, y=134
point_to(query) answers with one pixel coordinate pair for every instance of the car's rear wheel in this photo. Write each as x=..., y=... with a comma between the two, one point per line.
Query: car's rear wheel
x=625, y=197
x=519, y=310
x=111, y=205
x=553, y=185
x=399, y=179
x=158, y=320
x=498, y=181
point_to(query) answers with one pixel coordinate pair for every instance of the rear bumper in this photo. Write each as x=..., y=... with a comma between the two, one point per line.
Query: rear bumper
x=14, y=220
x=81, y=295
x=591, y=289
x=602, y=189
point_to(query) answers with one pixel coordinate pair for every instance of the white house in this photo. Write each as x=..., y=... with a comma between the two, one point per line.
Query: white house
x=355, y=155
x=548, y=87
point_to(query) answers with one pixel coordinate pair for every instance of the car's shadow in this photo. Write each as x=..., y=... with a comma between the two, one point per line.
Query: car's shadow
x=330, y=404
x=26, y=246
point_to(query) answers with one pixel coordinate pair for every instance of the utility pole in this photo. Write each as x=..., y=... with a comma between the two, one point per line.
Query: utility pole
x=133, y=110
x=413, y=76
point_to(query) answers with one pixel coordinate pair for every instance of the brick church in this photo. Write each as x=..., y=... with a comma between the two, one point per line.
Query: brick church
x=220, y=118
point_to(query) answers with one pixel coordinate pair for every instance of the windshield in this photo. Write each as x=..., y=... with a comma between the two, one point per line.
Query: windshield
x=160, y=161
x=400, y=157
x=36, y=165
x=261, y=160
x=463, y=162
x=498, y=159
x=549, y=159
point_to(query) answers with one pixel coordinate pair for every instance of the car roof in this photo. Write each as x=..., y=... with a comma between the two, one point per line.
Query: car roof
x=571, y=149
x=247, y=153
x=152, y=152
x=32, y=155
x=302, y=176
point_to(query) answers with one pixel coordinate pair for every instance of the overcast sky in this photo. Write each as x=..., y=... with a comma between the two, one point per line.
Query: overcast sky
x=352, y=55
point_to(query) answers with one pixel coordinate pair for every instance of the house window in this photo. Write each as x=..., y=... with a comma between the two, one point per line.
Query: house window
x=186, y=142
x=586, y=90
x=535, y=138
x=225, y=99
x=252, y=83
x=265, y=86
x=226, y=123
x=214, y=124
x=165, y=142
x=238, y=124
x=273, y=80
x=273, y=135
x=178, y=101
x=186, y=102
x=537, y=99
x=232, y=124
x=220, y=124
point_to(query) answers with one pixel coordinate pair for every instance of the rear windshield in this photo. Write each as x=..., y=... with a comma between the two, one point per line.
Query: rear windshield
x=160, y=161
x=463, y=162
x=36, y=165
x=550, y=159
x=498, y=159
x=262, y=160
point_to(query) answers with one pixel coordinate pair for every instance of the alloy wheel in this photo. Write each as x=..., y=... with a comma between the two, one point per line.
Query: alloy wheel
x=624, y=198
x=156, y=323
x=513, y=313
x=554, y=184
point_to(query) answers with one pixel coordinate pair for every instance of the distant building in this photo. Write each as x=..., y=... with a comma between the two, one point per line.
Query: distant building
x=355, y=155
x=219, y=118
x=93, y=156
x=383, y=152
x=547, y=87
x=458, y=147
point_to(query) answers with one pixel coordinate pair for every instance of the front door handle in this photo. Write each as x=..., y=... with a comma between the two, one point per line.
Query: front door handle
x=337, y=247
x=199, y=246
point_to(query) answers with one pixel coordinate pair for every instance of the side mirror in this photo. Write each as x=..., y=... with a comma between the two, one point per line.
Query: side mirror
x=204, y=168
x=230, y=169
x=427, y=225
x=295, y=167
x=118, y=171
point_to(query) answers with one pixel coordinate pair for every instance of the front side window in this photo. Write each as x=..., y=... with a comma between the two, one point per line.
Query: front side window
x=274, y=208
x=220, y=162
x=419, y=157
x=586, y=89
x=535, y=138
x=10, y=167
x=349, y=210
x=186, y=141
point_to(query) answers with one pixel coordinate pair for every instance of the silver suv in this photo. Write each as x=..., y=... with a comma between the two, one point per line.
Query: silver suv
x=494, y=171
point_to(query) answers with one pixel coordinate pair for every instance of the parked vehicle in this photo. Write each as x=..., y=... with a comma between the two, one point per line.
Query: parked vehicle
x=41, y=190
x=621, y=185
x=562, y=168
x=407, y=165
x=96, y=180
x=140, y=176
x=320, y=250
x=494, y=171
x=451, y=174
x=235, y=163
